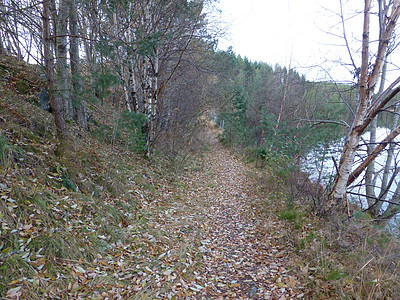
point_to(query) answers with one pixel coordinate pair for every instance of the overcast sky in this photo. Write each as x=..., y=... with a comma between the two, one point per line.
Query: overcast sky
x=299, y=33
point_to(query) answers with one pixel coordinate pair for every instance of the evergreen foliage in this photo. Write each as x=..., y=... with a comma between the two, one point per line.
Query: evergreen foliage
x=128, y=132
x=130, y=126
x=253, y=94
x=235, y=116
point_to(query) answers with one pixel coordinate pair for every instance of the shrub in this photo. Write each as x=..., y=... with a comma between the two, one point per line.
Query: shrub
x=128, y=132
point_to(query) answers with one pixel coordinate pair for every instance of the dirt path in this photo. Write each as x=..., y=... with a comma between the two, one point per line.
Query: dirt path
x=239, y=261
x=203, y=238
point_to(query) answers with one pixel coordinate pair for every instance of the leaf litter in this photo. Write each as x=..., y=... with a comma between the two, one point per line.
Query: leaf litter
x=193, y=237
x=238, y=261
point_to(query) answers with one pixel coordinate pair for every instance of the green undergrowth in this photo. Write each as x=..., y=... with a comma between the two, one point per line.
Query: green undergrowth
x=337, y=258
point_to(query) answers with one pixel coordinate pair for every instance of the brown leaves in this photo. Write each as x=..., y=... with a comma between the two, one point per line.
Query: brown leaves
x=196, y=236
x=238, y=260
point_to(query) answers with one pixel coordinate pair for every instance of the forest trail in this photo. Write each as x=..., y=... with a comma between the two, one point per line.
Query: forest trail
x=196, y=234
x=240, y=259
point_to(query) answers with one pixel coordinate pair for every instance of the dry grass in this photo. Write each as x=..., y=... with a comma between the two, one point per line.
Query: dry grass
x=337, y=257
x=75, y=223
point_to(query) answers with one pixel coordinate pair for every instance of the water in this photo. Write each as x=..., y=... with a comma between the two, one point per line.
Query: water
x=319, y=163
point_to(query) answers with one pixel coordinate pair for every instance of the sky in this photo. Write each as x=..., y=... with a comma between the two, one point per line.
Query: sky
x=300, y=34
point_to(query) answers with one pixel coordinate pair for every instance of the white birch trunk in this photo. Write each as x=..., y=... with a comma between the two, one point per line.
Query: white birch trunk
x=386, y=170
x=134, y=92
x=131, y=63
x=367, y=83
x=370, y=172
x=370, y=176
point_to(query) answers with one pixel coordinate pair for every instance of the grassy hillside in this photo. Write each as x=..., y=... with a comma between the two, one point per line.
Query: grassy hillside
x=72, y=224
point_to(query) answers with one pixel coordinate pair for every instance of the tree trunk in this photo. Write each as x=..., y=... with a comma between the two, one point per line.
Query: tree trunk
x=55, y=103
x=155, y=90
x=370, y=172
x=133, y=87
x=89, y=31
x=366, y=110
x=370, y=176
x=16, y=36
x=338, y=191
x=386, y=183
x=79, y=103
x=285, y=90
x=378, y=149
x=393, y=207
x=61, y=83
x=150, y=104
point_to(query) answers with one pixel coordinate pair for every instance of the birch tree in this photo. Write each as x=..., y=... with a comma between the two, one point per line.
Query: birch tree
x=132, y=48
x=164, y=33
x=368, y=107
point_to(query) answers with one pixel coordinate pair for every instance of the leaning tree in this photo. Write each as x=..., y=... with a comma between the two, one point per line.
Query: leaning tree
x=369, y=104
